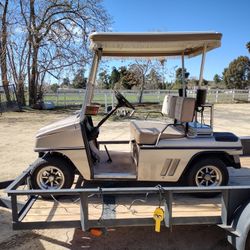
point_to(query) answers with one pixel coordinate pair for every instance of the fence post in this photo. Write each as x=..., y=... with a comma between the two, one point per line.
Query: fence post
x=57, y=98
x=64, y=99
x=105, y=102
x=112, y=95
x=216, y=95
x=233, y=95
x=80, y=96
x=248, y=99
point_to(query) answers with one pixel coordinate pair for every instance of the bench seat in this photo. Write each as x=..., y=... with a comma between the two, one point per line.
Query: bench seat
x=147, y=132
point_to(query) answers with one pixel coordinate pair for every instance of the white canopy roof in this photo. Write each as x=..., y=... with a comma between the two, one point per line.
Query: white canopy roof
x=154, y=44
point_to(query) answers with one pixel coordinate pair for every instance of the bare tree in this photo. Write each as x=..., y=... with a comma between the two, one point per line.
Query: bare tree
x=57, y=36
x=17, y=58
x=3, y=48
x=39, y=38
x=144, y=68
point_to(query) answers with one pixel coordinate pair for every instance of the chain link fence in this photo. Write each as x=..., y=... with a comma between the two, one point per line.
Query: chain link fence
x=12, y=103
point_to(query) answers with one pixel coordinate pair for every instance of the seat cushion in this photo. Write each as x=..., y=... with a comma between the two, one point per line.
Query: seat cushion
x=147, y=132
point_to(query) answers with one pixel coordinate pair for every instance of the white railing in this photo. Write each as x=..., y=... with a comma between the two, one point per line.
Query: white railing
x=69, y=97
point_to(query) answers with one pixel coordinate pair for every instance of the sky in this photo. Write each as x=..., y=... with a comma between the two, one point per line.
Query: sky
x=229, y=17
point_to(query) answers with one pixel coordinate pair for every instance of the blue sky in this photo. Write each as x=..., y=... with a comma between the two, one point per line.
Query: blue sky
x=230, y=17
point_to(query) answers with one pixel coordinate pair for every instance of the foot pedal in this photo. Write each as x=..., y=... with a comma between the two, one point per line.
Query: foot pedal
x=109, y=158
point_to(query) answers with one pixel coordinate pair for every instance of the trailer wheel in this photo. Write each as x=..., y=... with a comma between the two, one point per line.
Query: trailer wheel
x=51, y=173
x=209, y=172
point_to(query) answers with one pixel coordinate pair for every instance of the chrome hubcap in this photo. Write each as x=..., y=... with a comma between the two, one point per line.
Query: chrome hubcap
x=50, y=177
x=208, y=176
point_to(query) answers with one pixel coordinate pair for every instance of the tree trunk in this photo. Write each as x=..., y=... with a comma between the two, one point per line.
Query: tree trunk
x=3, y=53
x=33, y=50
x=142, y=89
x=20, y=92
x=33, y=78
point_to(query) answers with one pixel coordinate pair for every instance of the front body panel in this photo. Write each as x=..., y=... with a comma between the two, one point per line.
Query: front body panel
x=63, y=134
x=80, y=160
x=65, y=137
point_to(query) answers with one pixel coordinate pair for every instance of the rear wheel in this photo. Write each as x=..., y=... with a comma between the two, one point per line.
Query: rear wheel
x=52, y=173
x=211, y=172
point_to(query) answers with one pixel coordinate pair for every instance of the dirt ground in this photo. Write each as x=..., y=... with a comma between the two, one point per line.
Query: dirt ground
x=17, y=133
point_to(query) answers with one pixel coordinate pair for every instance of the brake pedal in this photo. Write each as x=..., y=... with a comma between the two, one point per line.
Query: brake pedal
x=109, y=158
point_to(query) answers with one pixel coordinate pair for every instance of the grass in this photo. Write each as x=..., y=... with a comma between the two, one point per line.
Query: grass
x=69, y=99
x=74, y=99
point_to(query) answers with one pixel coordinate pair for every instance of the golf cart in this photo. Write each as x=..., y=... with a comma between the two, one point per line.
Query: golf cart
x=184, y=149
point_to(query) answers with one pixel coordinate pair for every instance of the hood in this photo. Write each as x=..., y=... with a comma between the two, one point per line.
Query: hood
x=59, y=126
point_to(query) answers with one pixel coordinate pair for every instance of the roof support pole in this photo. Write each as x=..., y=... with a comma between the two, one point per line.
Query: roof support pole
x=91, y=83
x=202, y=64
x=183, y=76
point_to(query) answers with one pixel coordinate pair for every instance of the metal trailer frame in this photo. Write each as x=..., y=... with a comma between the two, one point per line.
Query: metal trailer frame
x=5, y=201
x=235, y=211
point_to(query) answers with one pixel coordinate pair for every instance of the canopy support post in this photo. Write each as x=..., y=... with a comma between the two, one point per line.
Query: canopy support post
x=183, y=76
x=91, y=82
x=202, y=64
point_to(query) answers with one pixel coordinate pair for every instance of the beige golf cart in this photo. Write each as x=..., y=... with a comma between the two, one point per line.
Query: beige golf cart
x=184, y=149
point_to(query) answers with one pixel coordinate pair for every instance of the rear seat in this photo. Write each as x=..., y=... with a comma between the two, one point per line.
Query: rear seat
x=145, y=132
x=184, y=109
x=168, y=107
x=179, y=108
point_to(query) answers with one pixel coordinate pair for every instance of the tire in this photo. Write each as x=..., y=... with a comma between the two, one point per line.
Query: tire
x=210, y=172
x=52, y=173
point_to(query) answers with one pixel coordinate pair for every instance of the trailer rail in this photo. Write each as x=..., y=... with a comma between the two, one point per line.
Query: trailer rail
x=232, y=198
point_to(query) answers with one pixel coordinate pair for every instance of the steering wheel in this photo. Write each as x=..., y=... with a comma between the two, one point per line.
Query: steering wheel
x=122, y=101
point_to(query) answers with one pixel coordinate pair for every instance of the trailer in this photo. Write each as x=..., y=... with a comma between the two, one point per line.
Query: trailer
x=88, y=207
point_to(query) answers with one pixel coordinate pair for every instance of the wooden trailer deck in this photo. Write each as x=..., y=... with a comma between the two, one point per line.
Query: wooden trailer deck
x=134, y=206
x=127, y=207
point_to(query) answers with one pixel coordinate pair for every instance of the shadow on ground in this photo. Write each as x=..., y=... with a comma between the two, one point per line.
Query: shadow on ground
x=144, y=238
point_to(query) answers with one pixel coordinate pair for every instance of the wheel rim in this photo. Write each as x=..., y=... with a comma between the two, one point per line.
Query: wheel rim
x=208, y=176
x=50, y=177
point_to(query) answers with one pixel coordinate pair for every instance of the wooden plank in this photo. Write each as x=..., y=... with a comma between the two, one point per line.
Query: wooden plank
x=122, y=209
x=245, y=161
x=120, y=215
x=52, y=211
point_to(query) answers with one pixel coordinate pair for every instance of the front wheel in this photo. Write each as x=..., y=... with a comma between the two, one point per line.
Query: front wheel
x=211, y=172
x=51, y=173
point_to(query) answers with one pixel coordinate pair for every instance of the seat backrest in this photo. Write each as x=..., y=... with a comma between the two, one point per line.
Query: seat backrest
x=168, y=106
x=165, y=105
x=172, y=106
x=184, y=109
